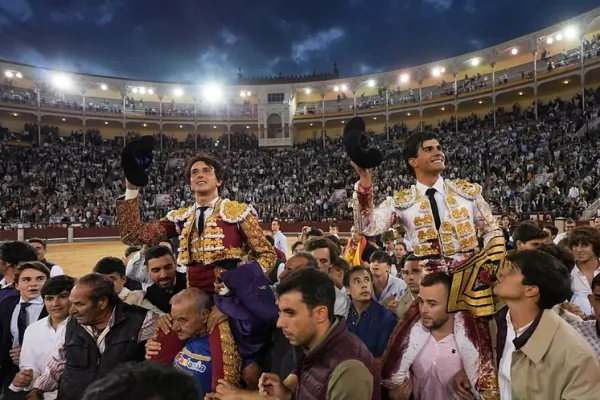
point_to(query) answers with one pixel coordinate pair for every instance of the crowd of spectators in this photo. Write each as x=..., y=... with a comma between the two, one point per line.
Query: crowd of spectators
x=524, y=166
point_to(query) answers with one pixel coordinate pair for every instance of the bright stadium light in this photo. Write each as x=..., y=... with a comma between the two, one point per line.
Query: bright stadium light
x=178, y=92
x=19, y=75
x=142, y=90
x=550, y=40
x=514, y=51
x=8, y=74
x=243, y=94
x=443, y=70
x=559, y=37
x=150, y=91
x=135, y=90
x=571, y=32
x=214, y=127
x=247, y=127
x=180, y=126
x=408, y=114
x=307, y=90
x=404, y=78
x=344, y=88
x=105, y=122
x=61, y=81
x=371, y=83
x=103, y=87
x=213, y=92
x=436, y=72
x=336, y=89
x=443, y=108
x=145, y=125
x=475, y=62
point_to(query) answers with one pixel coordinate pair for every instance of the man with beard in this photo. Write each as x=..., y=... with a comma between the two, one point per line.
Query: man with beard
x=442, y=218
x=160, y=263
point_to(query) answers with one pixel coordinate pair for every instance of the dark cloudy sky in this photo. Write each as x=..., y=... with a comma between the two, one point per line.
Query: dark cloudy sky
x=196, y=40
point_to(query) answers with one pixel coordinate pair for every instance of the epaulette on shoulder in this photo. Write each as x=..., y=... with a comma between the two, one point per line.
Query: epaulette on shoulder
x=464, y=188
x=405, y=198
x=234, y=212
x=179, y=215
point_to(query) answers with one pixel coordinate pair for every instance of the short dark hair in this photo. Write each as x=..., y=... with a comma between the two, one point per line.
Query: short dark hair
x=528, y=230
x=152, y=381
x=505, y=216
x=341, y=264
x=15, y=252
x=131, y=249
x=208, y=160
x=41, y=241
x=312, y=232
x=57, y=285
x=333, y=225
x=311, y=261
x=381, y=257
x=315, y=286
x=352, y=271
x=562, y=254
x=38, y=266
x=412, y=146
x=570, y=221
x=296, y=244
x=108, y=265
x=553, y=229
x=586, y=235
x=437, y=277
x=595, y=281
x=335, y=240
x=102, y=287
x=387, y=236
x=400, y=230
x=548, y=273
x=321, y=242
x=157, y=252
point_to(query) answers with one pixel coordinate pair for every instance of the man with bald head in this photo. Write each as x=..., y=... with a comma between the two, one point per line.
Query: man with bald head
x=189, y=310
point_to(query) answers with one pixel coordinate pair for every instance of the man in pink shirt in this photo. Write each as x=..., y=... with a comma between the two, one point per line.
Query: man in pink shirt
x=433, y=356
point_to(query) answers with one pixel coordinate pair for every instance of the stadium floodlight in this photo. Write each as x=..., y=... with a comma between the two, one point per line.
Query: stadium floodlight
x=103, y=87
x=550, y=40
x=514, y=51
x=8, y=74
x=443, y=108
x=559, y=37
x=475, y=62
x=571, y=32
x=243, y=94
x=371, y=83
x=178, y=92
x=105, y=122
x=214, y=127
x=480, y=101
x=247, y=127
x=344, y=88
x=404, y=78
x=248, y=93
x=19, y=75
x=180, y=126
x=145, y=125
x=61, y=81
x=436, y=72
x=342, y=122
x=142, y=90
x=15, y=115
x=213, y=92
x=520, y=93
x=442, y=70
x=408, y=114
x=134, y=90
x=150, y=91
x=336, y=89
x=64, y=119
x=375, y=118
x=307, y=90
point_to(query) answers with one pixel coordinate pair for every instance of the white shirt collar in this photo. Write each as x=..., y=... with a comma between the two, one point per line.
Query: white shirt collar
x=49, y=326
x=438, y=185
x=510, y=326
x=211, y=204
x=37, y=300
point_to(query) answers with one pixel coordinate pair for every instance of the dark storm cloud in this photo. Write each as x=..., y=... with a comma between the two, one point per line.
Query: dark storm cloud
x=199, y=40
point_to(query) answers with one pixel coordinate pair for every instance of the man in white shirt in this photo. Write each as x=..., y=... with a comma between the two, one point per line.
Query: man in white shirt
x=387, y=288
x=280, y=239
x=17, y=313
x=569, y=226
x=539, y=354
x=41, y=246
x=585, y=245
x=41, y=337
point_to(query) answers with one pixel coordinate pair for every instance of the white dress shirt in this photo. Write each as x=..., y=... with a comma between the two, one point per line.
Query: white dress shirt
x=208, y=212
x=342, y=304
x=38, y=344
x=33, y=314
x=394, y=288
x=581, y=289
x=439, y=196
x=280, y=241
x=56, y=271
x=504, y=378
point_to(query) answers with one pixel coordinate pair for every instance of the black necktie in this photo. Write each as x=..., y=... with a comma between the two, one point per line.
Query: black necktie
x=201, y=220
x=22, y=321
x=434, y=208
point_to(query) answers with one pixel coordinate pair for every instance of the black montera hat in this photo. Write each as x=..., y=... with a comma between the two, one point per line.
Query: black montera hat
x=359, y=146
x=136, y=158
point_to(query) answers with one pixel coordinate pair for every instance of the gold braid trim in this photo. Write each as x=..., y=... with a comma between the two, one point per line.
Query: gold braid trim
x=232, y=362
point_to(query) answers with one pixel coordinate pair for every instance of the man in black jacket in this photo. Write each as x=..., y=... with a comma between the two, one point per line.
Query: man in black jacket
x=16, y=313
x=161, y=267
x=101, y=334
